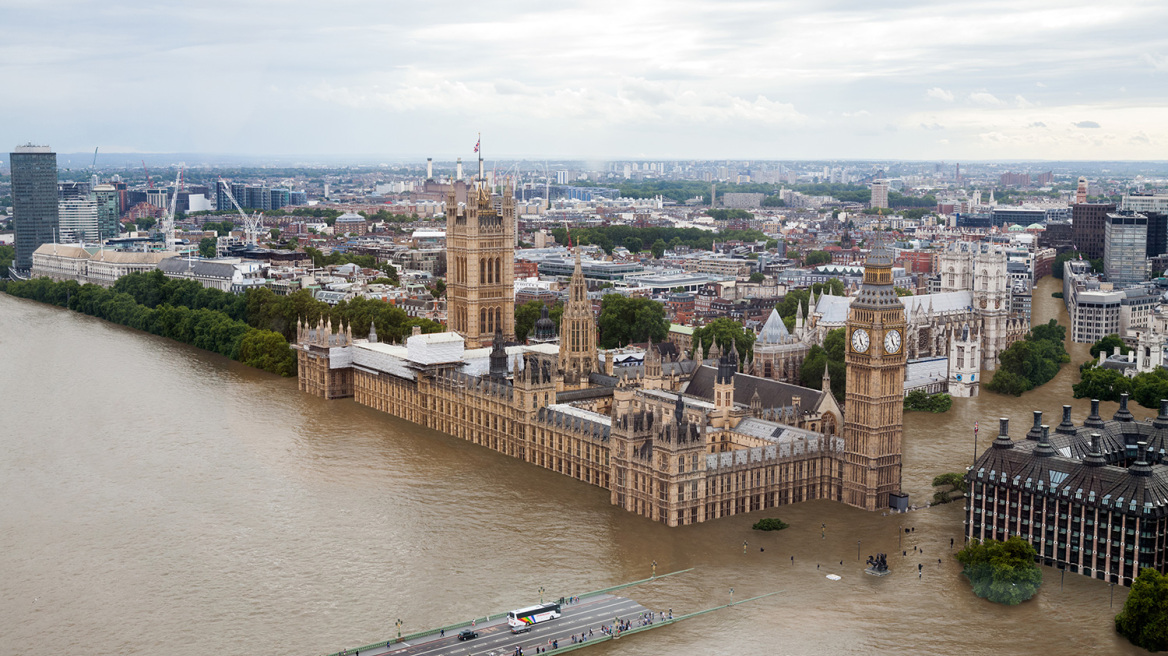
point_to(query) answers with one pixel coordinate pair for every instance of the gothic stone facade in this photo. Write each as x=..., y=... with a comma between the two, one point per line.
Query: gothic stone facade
x=717, y=460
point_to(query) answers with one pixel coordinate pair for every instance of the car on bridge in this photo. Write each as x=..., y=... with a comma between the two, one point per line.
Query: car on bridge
x=467, y=634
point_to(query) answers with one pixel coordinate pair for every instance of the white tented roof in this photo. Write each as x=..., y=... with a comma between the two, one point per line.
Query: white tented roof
x=435, y=348
x=774, y=331
x=941, y=303
x=833, y=309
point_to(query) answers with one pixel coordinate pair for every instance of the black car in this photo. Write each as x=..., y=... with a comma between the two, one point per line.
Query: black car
x=468, y=634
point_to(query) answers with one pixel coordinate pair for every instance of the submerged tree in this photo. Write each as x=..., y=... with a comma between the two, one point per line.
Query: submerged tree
x=1003, y=572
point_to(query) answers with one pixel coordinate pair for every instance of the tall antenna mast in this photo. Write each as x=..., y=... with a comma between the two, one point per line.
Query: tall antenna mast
x=479, y=149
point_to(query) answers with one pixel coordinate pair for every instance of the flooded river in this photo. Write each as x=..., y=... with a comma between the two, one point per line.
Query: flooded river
x=158, y=499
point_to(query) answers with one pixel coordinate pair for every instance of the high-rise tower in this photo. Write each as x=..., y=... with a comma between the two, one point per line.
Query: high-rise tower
x=577, y=332
x=34, y=200
x=874, y=411
x=480, y=263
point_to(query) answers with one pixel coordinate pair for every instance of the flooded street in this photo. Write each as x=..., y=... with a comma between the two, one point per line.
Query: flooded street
x=160, y=499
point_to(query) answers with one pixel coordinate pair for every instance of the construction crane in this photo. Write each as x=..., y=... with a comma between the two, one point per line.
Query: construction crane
x=149, y=182
x=166, y=226
x=94, y=164
x=252, y=225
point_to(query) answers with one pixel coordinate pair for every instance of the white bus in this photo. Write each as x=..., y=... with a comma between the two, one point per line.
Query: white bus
x=522, y=619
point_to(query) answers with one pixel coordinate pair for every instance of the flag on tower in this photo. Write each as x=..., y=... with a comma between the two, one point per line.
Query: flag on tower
x=477, y=144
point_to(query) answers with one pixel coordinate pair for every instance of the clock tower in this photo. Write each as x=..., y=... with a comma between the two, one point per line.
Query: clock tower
x=874, y=400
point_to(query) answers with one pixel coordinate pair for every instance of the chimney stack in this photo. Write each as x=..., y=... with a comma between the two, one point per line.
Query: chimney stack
x=429, y=168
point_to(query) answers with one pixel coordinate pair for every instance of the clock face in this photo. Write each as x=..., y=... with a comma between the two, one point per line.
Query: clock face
x=892, y=342
x=860, y=340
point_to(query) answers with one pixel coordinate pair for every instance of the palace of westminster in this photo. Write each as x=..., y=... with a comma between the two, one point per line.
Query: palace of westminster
x=680, y=441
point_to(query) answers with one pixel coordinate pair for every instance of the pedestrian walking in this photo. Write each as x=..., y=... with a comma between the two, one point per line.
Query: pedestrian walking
x=441, y=633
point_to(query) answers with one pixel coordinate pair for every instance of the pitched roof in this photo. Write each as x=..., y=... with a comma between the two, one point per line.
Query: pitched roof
x=772, y=393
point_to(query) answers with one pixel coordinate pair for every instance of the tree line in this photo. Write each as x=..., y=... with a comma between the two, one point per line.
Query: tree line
x=1106, y=384
x=254, y=328
x=655, y=239
x=209, y=329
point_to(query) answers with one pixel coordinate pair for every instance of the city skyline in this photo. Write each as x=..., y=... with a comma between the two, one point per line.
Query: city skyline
x=972, y=81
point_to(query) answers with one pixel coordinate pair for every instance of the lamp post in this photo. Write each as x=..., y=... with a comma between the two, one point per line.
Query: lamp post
x=541, y=594
x=974, y=446
x=744, y=546
x=399, y=623
x=654, y=569
x=731, y=596
x=858, y=549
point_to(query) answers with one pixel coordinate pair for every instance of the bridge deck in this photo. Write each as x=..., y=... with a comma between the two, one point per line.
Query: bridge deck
x=495, y=637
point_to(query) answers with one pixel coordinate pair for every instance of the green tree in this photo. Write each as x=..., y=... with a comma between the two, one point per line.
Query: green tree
x=1144, y=618
x=526, y=314
x=757, y=277
x=724, y=332
x=207, y=247
x=949, y=483
x=7, y=254
x=830, y=356
x=1148, y=388
x=1101, y=383
x=634, y=244
x=145, y=223
x=439, y=288
x=1003, y=572
x=919, y=400
x=901, y=291
x=267, y=350
x=1108, y=345
x=627, y=320
x=658, y=248
x=1031, y=361
x=815, y=258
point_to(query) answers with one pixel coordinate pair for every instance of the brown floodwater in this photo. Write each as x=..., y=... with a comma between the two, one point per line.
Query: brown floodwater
x=160, y=499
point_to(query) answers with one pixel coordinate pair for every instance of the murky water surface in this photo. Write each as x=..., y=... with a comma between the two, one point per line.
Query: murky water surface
x=159, y=499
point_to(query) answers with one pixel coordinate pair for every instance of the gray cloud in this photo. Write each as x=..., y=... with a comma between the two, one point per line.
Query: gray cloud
x=1086, y=124
x=1037, y=124
x=539, y=77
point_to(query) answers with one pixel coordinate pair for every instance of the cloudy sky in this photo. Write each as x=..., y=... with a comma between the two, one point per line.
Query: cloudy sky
x=784, y=79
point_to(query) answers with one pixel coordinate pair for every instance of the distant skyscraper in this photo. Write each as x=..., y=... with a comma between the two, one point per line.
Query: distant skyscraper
x=77, y=219
x=108, y=210
x=1087, y=221
x=1081, y=192
x=879, y=193
x=1125, y=239
x=34, y=200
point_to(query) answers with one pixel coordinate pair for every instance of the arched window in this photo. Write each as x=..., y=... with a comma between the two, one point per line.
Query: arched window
x=482, y=269
x=985, y=281
x=498, y=269
x=482, y=318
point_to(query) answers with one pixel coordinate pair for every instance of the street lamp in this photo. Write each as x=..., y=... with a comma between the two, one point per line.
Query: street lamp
x=654, y=569
x=541, y=594
x=744, y=546
x=399, y=623
x=731, y=596
x=858, y=549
